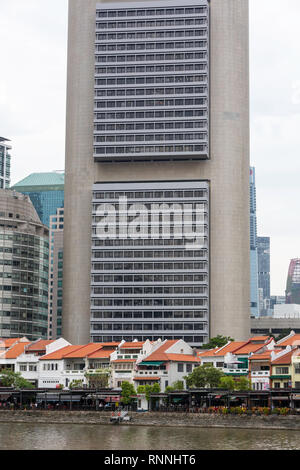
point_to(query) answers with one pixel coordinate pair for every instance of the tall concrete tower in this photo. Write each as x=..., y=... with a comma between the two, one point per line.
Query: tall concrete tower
x=157, y=112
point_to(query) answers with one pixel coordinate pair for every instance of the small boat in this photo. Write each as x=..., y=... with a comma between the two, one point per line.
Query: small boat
x=119, y=417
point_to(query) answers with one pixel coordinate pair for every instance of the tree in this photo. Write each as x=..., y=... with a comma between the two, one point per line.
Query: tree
x=205, y=376
x=9, y=378
x=243, y=384
x=76, y=384
x=217, y=342
x=128, y=391
x=227, y=383
x=99, y=379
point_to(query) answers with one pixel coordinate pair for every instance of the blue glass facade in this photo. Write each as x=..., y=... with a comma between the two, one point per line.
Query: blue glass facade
x=46, y=191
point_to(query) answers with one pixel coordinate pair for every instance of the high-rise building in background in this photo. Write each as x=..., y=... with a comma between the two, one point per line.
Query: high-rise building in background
x=5, y=161
x=263, y=252
x=170, y=129
x=292, y=293
x=254, y=297
x=56, y=237
x=46, y=191
x=24, y=258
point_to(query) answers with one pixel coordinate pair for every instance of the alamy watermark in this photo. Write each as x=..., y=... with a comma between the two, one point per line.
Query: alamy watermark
x=123, y=220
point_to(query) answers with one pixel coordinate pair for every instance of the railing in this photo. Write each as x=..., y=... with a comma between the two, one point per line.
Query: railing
x=260, y=373
x=235, y=371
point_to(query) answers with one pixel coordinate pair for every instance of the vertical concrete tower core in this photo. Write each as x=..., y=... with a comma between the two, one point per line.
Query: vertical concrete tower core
x=225, y=167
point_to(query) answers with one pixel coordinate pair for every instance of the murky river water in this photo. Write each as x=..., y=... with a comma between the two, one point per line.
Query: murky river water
x=94, y=437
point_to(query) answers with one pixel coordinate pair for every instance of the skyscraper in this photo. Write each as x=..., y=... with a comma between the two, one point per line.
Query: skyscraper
x=24, y=252
x=263, y=251
x=254, y=299
x=292, y=293
x=166, y=125
x=5, y=159
x=46, y=191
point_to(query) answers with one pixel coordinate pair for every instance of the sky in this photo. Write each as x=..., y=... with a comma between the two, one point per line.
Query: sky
x=33, y=54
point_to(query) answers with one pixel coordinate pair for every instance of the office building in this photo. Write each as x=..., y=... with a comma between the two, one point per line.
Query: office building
x=56, y=238
x=46, y=191
x=254, y=294
x=263, y=253
x=24, y=252
x=169, y=89
x=292, y=293
x=5, y=161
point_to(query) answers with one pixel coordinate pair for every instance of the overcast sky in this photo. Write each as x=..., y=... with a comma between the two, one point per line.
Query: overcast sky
x=33, y=51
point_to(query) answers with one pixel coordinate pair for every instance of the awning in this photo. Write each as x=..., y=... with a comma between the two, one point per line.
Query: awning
x=154, y=363
x=280, y=398
x=146, y=378
x=5, y=396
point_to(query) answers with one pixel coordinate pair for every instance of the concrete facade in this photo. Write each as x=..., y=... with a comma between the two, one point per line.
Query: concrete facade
x=227, y=170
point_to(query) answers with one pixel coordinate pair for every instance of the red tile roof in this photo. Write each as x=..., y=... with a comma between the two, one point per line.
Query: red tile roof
x=15, y=351
x=101, y=354
x=159, y=354
x=219, y=352
x=8, y=342
x=260, y=356
x=182, y=358
x=133, y=345
x=285, y=359
x=60, y=354
x=290, y=341
x=84, y=351
x=39, y=345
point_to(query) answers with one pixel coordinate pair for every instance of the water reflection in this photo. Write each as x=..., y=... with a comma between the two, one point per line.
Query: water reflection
x=94, y=437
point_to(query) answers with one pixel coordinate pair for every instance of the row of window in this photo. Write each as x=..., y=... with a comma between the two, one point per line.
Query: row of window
x=148, y=327
x=151, y=35
x=151, y=45
x=142, y=242
x=152, y=91
x=152, y=12
x=23, y=315
x=24, y=277
x=150, y=69
x=144, y=302
x=150, y=254
x=109, y=339
x=198, y=193
x=176, y=314
x=144, y=278
x=180, y=113
x=20, y=302
x=150, y=149
x=145, y=266
x=166, y=23
x=21, y=264
x=139, y=126
x=101, y=59
x=147, y=290
x=149, y=138
x=151, y=103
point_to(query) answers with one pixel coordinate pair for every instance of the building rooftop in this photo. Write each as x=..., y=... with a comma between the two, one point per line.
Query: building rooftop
x=41, y=179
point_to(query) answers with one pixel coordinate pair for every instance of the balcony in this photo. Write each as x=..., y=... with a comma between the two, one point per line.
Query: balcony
x=260, y=373
x=234, y=371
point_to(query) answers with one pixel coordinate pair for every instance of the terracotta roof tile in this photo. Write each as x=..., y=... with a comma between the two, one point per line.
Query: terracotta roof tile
x=123, y=360
x=14, y=352
x=39, y=345
x=60, y=353
x=133, y=345
x=159, y=354
x=290, y=341
x=284, y=359
x=182, y=358
x=101, y=354
x=84, y=351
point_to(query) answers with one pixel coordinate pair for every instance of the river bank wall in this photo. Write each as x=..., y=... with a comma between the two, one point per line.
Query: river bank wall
x=290, y=422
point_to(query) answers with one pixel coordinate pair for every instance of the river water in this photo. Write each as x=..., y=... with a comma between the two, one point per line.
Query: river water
x=21, y=436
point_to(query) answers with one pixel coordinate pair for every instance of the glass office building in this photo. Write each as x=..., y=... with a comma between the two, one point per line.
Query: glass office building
x=46, y=191
x=24, y=264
